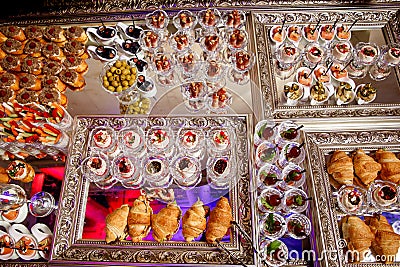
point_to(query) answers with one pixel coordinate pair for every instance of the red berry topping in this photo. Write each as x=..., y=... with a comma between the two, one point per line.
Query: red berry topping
x=68, y=74
x=49, y=81
x=29, y=62
x=11, y=29
x=71, y=59
x=32, y=45
x=72, y=29
x=49, y=47
x=25, y=96
x=24, y=79
x=4, y=79
x=3, y=93
x=51, y=31
x=9, y=59
x=9, y=43
x=48, y=95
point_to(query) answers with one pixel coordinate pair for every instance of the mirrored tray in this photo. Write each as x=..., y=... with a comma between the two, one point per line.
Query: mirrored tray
x=73, y=240
x=373, y=25
x=320, y=146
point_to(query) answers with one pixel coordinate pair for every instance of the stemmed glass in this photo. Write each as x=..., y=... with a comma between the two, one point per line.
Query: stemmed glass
x=13, y=196
x=390, y=57
x=189, y=62
x=287, y=56
x=212, y=43
x=242, y=62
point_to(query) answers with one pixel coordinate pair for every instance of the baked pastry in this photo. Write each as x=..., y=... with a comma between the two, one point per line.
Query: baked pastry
x=390, y=165
x=365, y=167
x=32, y=65
x=54, y=34
x=165, y=223
x=14, y=32
x=139, y=219
x=53, y=51
x=76, y=33
x=34, y=32
x=194, y=221
x=74, y=48
x=340, y=166
x=13, y=47
x=6, y=94
x=116, y=223
x=387, y=242
x=220, y=221
x=357, y=234
x=11, y=63
x=48, y=96
x=20, y=171
x=25, y=96
x=29, y=81
x=76, y=63
x=33, y=48
x=63, y=100
x=4, y=178
x=51, y=67
x=73, y=79
x=9, y=81
x=51, y=81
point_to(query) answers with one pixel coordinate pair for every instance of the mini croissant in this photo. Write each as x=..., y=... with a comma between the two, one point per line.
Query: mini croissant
x=365, y=167
x=340, y=166
x=390, y=165
x=166, y=222
x=139, y=219
x=357, y=235
x=194, y=221
x=116, y=223
x=219, y=221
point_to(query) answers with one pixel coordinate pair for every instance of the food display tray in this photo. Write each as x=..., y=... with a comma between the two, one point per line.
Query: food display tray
x=372, y=25
x=72, y=243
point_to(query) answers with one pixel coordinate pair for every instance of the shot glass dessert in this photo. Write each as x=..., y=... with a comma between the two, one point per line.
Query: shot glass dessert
x=298, y=226
x=272, y=226
x=185, y=171
x=296, y=200
x=352, y=199
x=220, y=171
x=269, y=175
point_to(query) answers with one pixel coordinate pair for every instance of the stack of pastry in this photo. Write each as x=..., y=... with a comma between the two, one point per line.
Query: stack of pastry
x=33, y=53
x=390, y=165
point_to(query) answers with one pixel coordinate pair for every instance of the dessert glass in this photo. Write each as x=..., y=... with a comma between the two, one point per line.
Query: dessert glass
x=181, y=41
x=314, y=54
x=212, y=43
x=288, y=131
x=291, y=152
x=189, y=62
x=220, y=140
x=352, y=199
x=160, y=139
x=220, y=170
x=294, y=34
x=274, y=252
x=214, y=70
x=126, y=170
x=155, y=171
x=163, y=64
x=150, y=40
x=365, y=93
x=185, y=20
x=157, y=20
x=366, y=53
x=96, y=167
x=270, y=200
x=287, y=53
x=341, y=51
x=265, y=130
x=266, y=152
x=235, y=19
x=103, y=138
x=292, y=176
x=191, y=140
x=391, y=54
x=272, y=226
x=236, y=39
x=194, y=90
x=269, y=175
x=209, y=18
x=379, y=71
x=296, y=200
x=356, y=70
x=298, y=226
x=384, y=195
x=185, y=171
x=277, y=35
x=242, y=62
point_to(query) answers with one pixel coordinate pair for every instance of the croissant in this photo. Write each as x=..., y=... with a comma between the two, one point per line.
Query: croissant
x=116, y=223
x=166, y=222
x=194, y=221
x=219, y=221
x=340, y=166
x=387, y=242
x=390, y=165
x=357, y=235
x=139, y=219
x=365, y=167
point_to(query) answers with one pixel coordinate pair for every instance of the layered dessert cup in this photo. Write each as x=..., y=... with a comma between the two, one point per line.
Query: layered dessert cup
x=131, y=139
x=209, y=18
x=160, y=139
x=126, y=168
x=287, y=53
x=298, y=226
x=351, y=199
x=157, y=20
x=272, y=226
x=234, y=19
x=314, y=54
x=269, y=175
x=384, y=195
x=181, y=41
x=104, y=139
x=220, y=171
x=341, y=50
x=220, y=140
x=367, y=53
x=296, y=200
x=185, y=20
x=186, y=171
x=96, y=167
x=391, y=54
x=191, y=140
x=236, y=39
x=155, y=170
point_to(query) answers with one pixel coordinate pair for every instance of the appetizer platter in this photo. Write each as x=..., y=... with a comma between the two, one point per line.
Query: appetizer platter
x=358, y=177
x=164, y=201
x=294, y=50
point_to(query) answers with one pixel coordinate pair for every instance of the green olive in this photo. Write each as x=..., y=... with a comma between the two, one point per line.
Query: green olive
x=115, y=83
x=113, y=69
x=125, y=83
x=119, y=89
x=106, y=84
x=118, y=64
x=111, y=88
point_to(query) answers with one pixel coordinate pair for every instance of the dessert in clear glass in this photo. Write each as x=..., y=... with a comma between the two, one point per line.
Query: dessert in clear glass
x=270, y=200
x=219, y=100
x=242, y=62
x=209, y=18
x=265, y=130
x=343, y=32
x=220, y=171
x=294, y=34
x=345, y=92
x=272, y=226
x=391, y=54
x=291, y=152
x=236, y=39
x=212, y=43
x=356, y=70
x=366, y=53
x=96, y=167
x=379, y=71
x=185, y=171
x=145, y=86
x=189, y=62
x=194, y=105
x=194, y=90
x=283, y=71
x=185, y=20
x=352, y=199
x=266, y=152
x=126, y=169
x=327, y=32
x=338, y=72
x=157, y=20
x=214, y=70
x=287, y=53
x=314, y=53
x=155, y=170
x=304, y=76
x=365, y=93
x=181, y=41
x=274, y=252
x=220, y=140
x=310, y=33
x=298, y=226
x=292, y=176
x=320, y=93
x=150, y=40
x=296, y=200
x=191, y=140
x=131, y=139
x=163, y=63
x=268, y=175
x=384, y=195
x=277, y=34
x=288, y=131
x=341, y=51
x=293, y=92
x=159, y=139
x=234, y=19
x=104, y=139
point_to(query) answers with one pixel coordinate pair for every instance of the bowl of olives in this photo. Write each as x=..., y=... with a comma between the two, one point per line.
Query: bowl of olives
x=118, y=78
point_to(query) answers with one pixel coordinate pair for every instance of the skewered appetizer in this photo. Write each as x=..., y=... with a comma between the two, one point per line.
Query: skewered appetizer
x=338, y=72
x=321, y=74
x=194, y=221
x=139, y=219
x=278, y=34
x=294, y=33
x=166, y=222
x=106, y=32
x=343, y=33
x=304, y=77
x=220, y=221
x=340, y=166
x=310, y=32
x=116, y=223
x=327, y=33
x=20, y=171
x=298, y=226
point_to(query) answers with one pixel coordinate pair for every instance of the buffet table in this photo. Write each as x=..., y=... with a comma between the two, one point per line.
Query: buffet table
x=244, y=103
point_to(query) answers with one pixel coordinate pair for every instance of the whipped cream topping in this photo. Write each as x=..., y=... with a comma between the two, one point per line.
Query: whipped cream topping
x=97, y=165
x=102, y=139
